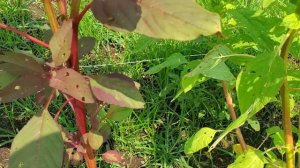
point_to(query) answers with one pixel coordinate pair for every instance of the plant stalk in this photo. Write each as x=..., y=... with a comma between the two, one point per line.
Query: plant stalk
x=232, y=113
x=62, y=6
x=23, y=34
x=51, y=15
x=285, y=101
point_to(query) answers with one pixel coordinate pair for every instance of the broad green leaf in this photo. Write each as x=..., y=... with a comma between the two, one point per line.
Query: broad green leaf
x=117, y=91
x=60, y=43
x=254, y=123
x=199, y=141
x=116, y=113
x=277, y=135
x=112, y=156
x=38, y=144
x=164, y=19
x=143, y=43
x=267, y=3
x=292, y=21
x=171, y=62
x=86, y=45
x=72, y=83
x=276, y=164
x=251, y=159
x=294, y=78
x=261, y=79
x=213, y=65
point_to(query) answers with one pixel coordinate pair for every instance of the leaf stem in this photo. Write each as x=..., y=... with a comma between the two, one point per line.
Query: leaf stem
x=62, y=6
x=285, y=101
x=61, y=108
x=23, y=34
x=233, y=115
x=75, y=5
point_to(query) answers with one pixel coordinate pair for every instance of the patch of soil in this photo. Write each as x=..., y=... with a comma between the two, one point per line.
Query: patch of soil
x=4, y=156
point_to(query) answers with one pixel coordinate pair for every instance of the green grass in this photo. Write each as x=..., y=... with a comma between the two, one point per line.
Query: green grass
x=157, y=133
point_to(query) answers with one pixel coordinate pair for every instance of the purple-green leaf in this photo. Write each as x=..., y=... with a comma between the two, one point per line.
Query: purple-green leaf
x=24, y=86
x=60, y=44
x=86, y=45
x=117, y=91
x=164, y=19
x=38, y=144
x=72, y=83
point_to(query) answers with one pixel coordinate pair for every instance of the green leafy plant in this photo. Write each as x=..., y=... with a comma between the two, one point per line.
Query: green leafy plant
x=42, y=140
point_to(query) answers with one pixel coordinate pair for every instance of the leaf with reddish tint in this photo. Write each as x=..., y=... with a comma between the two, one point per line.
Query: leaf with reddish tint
x=21, y=60
x=86, y=45
x=116, y=91
x=165, y=19
x=60, y=43
x=38, y=144
x=112, y=156
x=72, y=83
x=24, y=86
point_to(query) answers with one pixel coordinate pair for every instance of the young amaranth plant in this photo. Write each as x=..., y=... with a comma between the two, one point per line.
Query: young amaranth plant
x=41, y=141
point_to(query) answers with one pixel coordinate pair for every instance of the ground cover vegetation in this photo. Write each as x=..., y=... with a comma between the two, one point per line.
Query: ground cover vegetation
x=210, y=86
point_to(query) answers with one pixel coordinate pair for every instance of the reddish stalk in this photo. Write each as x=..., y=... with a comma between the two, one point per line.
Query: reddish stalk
x=233, y=116
x=23, y=34
x=61, y=108
x=78, y=106
x=62, y=6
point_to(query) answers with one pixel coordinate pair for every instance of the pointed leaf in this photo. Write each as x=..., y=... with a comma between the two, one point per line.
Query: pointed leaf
x=167, y=19
x=213, y=65
x=116, y=91
x=199, y=141
x=262, y=80
x=171, y=62
x=72, y=83
x=38, y=143
x=86, y=45
x=22, y=60
x=254, y=123
x=112, y=156
x=116, y=113
x=251, y=159
x=277, y=135
x=60, y=43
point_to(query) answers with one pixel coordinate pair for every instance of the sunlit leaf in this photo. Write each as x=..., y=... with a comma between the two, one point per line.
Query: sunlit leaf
x=277, y=135
x=116, y=113
x=39, y=143
x=117, y=91
x=60, y=43
x=267, y=3
x=199, y=141
x=292, y=21
x=237, y=148
x=251, y=159
x=94, y=139
x=112, y=156
x=167, y=19
x=72, y=83
x=213, y=65
x=261, y=79
x=171, y=62
x=86, y=45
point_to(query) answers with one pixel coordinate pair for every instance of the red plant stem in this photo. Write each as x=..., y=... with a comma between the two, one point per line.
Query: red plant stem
x=83, y=12
x=78, y=106
x=23, y=34
x=61, y=108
